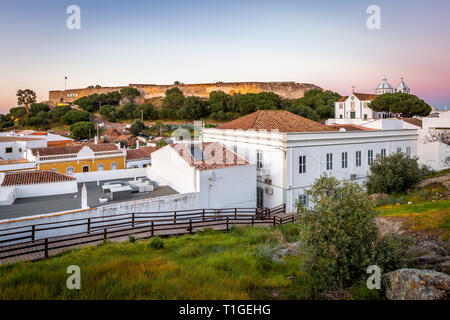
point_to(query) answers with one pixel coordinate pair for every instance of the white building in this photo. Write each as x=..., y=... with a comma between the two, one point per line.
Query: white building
x=435, y=155
x=385, y=87
x=221, y=178
x=290, y=151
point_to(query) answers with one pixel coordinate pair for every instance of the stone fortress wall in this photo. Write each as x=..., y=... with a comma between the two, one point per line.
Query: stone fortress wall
x=286, y=90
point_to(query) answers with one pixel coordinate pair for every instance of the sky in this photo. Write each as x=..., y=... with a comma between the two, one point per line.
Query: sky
x=325, y=42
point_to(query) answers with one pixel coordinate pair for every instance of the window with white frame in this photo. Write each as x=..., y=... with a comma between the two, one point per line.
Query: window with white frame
x=234, y=148
x=259, y=160
x=344, y=160
x=70, y=171
x=329, y=161
x=370, y=157
x=358, y=158
x=100, y=167
x=114, y=166
x=408, y=151
x=303, y=199
x=302, y=164
x=383, y=153
x=399, y=149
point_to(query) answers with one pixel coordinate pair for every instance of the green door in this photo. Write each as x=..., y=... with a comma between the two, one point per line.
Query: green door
x=353, y=115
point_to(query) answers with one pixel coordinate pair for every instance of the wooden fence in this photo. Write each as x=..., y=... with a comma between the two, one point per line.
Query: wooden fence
x=142, y=225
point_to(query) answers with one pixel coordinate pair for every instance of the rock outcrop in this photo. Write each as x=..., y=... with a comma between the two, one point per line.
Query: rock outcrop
x=416, y=284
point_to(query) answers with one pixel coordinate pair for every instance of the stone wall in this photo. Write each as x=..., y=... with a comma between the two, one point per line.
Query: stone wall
x=287, y=90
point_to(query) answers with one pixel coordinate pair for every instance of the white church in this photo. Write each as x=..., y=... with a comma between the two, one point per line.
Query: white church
x=356, y=105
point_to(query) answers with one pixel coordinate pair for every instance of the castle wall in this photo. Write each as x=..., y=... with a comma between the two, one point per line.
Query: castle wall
x=287, y=90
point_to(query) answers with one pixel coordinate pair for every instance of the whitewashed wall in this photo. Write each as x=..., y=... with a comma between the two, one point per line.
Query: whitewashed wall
x=110, y=174
x=43, y=189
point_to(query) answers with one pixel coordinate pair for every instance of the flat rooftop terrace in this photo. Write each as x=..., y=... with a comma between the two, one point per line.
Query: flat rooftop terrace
x=72, y=201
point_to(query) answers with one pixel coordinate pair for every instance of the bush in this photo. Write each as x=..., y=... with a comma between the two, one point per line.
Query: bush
x=360, y=292
x=156, y=243
x=264, y=253
x=137, y=127
x=75, y=116
x=82, y=130
x=340, y=235
x=394, y=174
x=132, y=238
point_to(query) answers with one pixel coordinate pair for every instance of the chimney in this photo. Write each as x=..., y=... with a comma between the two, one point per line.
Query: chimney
x=84, y=204
x=137, y=143
x=96, y=140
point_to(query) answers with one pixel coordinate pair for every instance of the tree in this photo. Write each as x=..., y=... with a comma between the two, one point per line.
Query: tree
x=40, y=120
x=147, y=111
x=82, y=130
x=174, y=98
x=159, y=127
x=302, y=110
x=407, y=105
x=59, y=111
x=18, y=112
x=127, y=111
x=75, y=116
x=130, y=93
x=340, y=236
x=137, y=127
x=394, y=174
x=35, y=108
x=26, y=97
x=193, y=108
x=439, y=136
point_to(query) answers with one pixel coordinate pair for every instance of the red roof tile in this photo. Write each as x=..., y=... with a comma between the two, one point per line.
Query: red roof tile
x=281, y=120
x=342, y=99
x=365, y=96
x=217, y=156
x=73, y=149
x=141, y=153
x=33, y=177
x=414, y=121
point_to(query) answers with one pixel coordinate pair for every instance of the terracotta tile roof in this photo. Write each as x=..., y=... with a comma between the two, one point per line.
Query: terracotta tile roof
x=342, y=99
x=349, y=127
x=73, y=149
x=281, y=120
x=16, y=161
x=141, y=153
x=217, y=156
x=414, y=121
x=14, y=138
x=34, y=177
x=365, y=96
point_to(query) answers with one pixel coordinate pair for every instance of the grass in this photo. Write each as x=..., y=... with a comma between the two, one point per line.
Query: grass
x=208, y=265
x=432, y=217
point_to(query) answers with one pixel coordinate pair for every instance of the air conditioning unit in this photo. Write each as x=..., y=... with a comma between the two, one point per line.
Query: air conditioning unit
x=268, y=180
x=268, y=190
x=353, y=176
x=265, y=172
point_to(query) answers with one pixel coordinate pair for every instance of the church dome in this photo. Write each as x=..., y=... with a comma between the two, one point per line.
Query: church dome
x=384, y=84
x=402, y=87
x=384, y=87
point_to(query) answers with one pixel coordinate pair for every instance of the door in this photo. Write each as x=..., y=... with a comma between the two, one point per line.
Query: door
x=260, y=197
x=86, y=169
x=352, y=115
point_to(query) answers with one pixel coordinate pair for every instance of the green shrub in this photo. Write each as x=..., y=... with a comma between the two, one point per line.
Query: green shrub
x=156, y=243
x=394, y=174
x=206, y=231
x=340, y=235
x=360, y=291
x=132, y=238
x=263, y=253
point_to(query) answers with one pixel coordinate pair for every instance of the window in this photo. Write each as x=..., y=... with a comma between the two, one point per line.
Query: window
x=408, y=151
x=340, y=116
x=365, y=116
x=399, y=149
x=100, y=167
x=234, y=148
x=114, y=166
x=9, y=150
x=303, y=199
x=344, y=160
x=259, y=160
x=302, y=164
x=260, y=197
x=69, y=171
x=358, y=158
x=329, y=161
x=86, y=169
x=370, y=157
x=383, y=153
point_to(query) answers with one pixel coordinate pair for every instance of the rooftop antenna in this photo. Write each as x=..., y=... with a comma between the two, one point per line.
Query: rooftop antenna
x=353, y=88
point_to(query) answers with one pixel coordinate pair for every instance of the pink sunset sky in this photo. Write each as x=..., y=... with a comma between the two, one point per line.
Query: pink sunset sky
x=325, y=42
